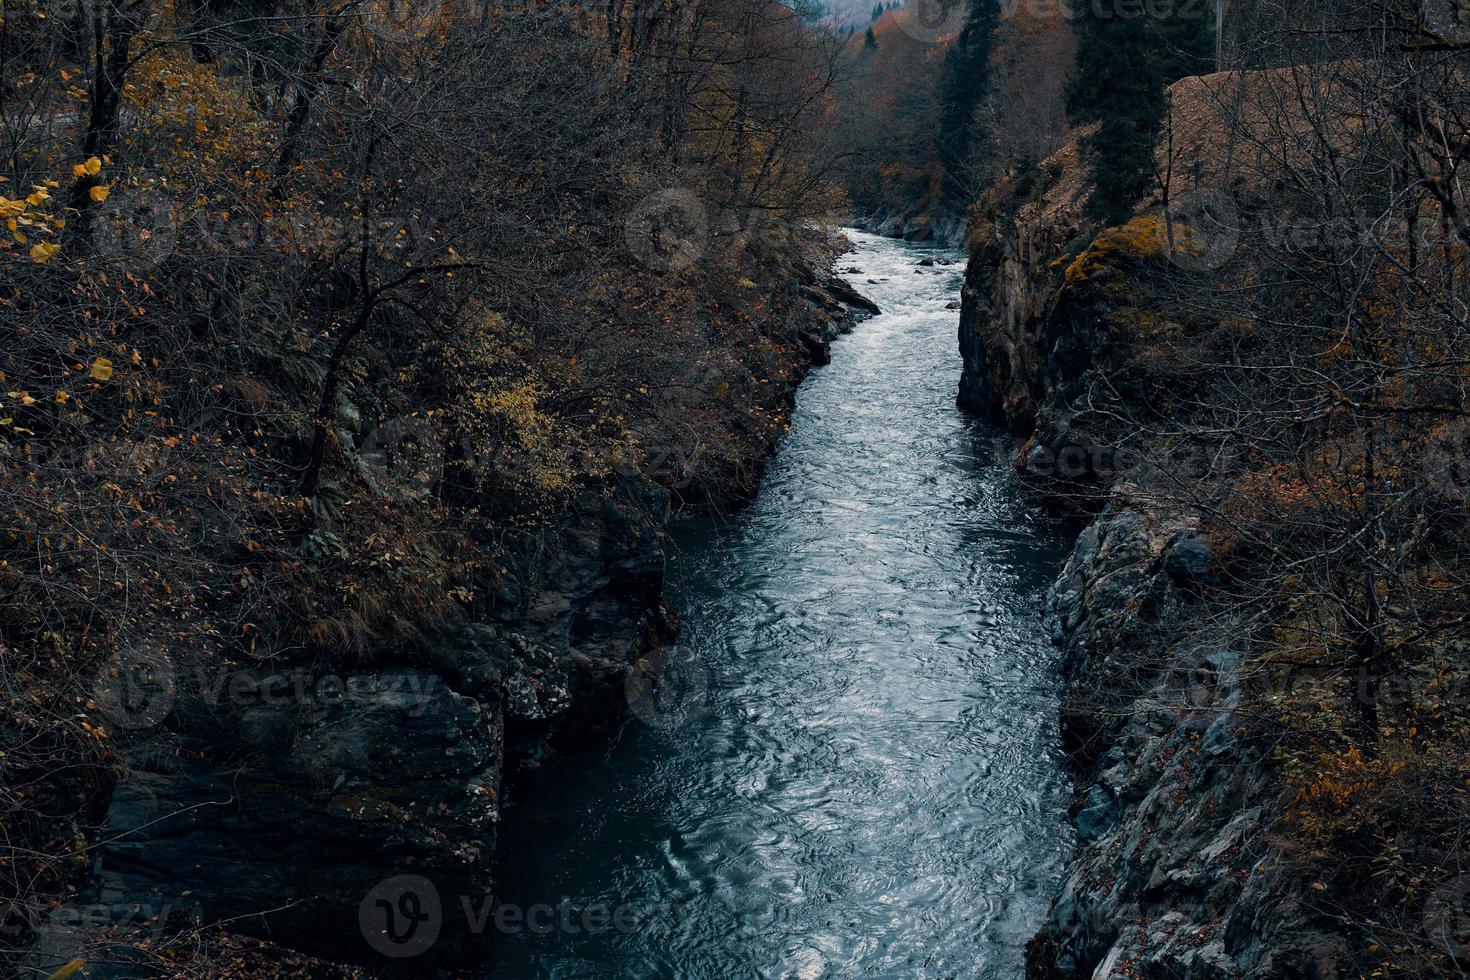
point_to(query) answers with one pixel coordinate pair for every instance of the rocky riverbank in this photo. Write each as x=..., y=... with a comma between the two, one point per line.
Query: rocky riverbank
x=274, y=798
x=924, y=226
x=1178, y=872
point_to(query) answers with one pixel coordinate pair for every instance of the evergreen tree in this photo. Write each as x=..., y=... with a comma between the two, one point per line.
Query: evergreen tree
x=870, y=42
x=1124, y=66
x=877, y=11
x=965, y=85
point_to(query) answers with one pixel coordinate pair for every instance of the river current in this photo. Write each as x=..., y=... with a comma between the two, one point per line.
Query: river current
x=868, y=780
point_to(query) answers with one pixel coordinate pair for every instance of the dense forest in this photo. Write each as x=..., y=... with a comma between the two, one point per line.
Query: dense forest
x=374, y=341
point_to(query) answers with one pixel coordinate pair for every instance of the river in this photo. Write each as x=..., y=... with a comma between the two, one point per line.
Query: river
x=870, y=781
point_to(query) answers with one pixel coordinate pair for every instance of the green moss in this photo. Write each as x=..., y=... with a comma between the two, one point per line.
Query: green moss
x=1141, y=238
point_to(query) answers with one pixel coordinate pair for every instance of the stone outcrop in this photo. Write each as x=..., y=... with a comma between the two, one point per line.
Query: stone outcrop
x=1017, y=241
x=924, y=226
x=276, y=796
x=1176, y=874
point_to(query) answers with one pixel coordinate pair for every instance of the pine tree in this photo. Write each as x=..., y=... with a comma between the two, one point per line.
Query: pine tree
x=1124, y=67
x=871, y=41
x=965, y=86
x=877, y=11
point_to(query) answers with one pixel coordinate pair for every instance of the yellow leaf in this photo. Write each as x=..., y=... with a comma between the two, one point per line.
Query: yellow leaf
x=66, y=971
x=62, y=398
x=98, y=194
x=42, y=251
x=80, y=170
x=101, y=369
x=93, y=166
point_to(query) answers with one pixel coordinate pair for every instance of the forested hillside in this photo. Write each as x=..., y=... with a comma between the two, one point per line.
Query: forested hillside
x=321, y=323
x=944, y=99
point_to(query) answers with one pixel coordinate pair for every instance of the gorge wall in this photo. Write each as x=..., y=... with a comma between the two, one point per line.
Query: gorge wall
x=1177, y=873
x=279, y=798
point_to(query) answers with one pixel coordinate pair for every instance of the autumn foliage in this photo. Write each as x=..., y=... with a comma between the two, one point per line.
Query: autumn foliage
x=312, y=321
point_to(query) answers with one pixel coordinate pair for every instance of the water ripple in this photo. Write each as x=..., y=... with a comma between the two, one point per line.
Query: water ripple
x=876, y=787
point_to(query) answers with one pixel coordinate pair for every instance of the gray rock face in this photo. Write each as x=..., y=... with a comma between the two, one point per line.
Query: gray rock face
x=1176, y=874
x=278, y=796
x=284, y=816
x=1010, y=294
x=1111, y=613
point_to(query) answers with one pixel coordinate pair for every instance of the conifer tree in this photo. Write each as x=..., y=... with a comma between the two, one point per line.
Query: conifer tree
x=965, y=86
x=1124, y=67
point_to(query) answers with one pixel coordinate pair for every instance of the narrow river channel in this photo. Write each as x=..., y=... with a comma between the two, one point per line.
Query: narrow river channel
x=873, y=786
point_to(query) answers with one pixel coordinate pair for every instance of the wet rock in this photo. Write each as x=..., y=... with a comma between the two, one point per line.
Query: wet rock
x=850, y=297
x=819, y=350
x=386, y=771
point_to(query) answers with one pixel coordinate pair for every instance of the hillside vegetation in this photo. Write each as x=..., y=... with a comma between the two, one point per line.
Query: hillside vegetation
x=1253, y=384
x=945, y=99
x=317, y=317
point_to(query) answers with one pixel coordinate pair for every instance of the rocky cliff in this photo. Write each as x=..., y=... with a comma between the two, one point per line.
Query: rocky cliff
x=282, y=797
x=1177, y=873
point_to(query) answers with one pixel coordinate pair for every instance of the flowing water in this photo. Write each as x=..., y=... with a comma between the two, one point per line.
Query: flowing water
x=872, y=785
